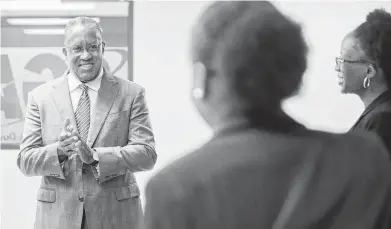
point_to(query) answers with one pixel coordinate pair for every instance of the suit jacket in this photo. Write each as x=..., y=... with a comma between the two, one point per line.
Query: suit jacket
x=377, y=118
x=251, y=178
x=120, y=133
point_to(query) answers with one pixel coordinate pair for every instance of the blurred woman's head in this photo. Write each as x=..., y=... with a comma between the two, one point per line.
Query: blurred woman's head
x=247, y=57
x=364, y=64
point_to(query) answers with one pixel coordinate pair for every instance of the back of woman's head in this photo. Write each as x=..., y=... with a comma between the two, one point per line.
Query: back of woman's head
x=260, y=52
x=374, y=36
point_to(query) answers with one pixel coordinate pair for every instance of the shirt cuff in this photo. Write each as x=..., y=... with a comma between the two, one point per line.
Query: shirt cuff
x=65, y=166
x=95, y=155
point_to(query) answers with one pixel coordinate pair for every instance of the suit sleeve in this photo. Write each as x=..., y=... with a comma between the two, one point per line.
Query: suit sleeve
x=35, y=158
x=381, y=125
x=139, y=154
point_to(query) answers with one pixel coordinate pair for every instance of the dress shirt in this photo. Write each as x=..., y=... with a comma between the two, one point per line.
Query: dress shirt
x=75, y=90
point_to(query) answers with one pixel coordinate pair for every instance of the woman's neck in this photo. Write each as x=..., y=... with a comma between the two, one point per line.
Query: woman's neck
x=368, y=96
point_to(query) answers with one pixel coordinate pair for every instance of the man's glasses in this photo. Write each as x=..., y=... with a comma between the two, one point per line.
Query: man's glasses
x=93, y=49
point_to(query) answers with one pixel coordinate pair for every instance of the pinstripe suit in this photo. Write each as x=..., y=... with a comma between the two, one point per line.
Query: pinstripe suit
x=120, y=133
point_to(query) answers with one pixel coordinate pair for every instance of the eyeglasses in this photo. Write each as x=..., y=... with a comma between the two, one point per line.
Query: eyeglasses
x=340, y=60
x=93, y=48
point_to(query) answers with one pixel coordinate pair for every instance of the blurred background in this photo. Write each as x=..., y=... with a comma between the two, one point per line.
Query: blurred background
x=148, y=42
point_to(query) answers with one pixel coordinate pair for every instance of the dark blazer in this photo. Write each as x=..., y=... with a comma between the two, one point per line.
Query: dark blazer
x=246, y=177
x=377, y=118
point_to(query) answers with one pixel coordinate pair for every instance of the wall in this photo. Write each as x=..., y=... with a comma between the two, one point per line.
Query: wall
x=161, y=64
x=161, y=36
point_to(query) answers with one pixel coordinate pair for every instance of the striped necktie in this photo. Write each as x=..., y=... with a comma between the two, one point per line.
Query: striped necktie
x=82, y=113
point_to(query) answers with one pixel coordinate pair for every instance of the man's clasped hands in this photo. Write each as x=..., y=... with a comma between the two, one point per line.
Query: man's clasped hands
x=69, y=141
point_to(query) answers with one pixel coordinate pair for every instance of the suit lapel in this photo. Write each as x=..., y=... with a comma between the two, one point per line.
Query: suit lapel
x=379, y=100
x=62, y=99
x=107, y=93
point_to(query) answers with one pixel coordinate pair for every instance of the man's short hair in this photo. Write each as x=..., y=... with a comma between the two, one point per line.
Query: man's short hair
x=85, y=21
x=260, y=51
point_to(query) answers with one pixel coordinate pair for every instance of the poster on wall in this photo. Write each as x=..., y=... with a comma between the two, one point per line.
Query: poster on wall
x=23, y=69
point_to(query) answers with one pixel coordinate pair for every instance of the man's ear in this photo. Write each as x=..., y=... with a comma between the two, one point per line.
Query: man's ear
x=65, y=52
x=371, y=71
x=103, y=47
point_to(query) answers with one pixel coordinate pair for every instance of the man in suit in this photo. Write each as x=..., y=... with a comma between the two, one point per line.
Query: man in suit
x=87, y=133
x=262, y=169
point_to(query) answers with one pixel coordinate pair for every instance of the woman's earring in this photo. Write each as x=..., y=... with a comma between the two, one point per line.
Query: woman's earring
x=198, y=93
x=367, y=82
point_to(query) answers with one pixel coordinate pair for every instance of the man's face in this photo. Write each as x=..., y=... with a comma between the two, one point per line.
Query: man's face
x=350, y=66
x=84, y=52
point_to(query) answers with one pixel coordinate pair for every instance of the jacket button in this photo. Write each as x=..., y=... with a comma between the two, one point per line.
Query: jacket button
x=81, y=199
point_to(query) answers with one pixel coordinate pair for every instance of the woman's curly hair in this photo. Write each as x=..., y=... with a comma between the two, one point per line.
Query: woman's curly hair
x=374, y=36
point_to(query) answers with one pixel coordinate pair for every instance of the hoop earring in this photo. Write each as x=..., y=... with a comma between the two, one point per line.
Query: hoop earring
x=367, y=82
x=198, y=93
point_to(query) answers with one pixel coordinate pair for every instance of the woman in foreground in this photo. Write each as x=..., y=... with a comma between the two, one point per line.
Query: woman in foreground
x=262, y=169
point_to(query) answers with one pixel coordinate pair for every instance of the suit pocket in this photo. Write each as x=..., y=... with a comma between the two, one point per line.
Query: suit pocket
x=127, y=192
x=46, y=195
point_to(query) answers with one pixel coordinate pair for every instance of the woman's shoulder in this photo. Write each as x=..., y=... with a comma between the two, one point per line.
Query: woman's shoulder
x=357, y=144
x=378, y=121
x=363, y=144
x=380, y=111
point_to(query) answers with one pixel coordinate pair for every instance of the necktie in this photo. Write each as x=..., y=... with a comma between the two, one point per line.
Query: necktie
x=82, y=113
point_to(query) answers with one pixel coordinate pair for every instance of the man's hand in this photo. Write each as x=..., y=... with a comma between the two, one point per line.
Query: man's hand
x=67, y=141
x=84, y=151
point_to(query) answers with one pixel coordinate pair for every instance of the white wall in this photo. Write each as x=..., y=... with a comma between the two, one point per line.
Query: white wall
x=161, y=64
x=161, y=37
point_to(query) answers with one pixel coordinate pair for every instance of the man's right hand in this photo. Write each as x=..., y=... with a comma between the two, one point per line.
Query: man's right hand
x=67, y=140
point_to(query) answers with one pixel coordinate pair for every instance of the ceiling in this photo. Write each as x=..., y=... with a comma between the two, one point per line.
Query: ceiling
x=48, y=23
x=64, y=7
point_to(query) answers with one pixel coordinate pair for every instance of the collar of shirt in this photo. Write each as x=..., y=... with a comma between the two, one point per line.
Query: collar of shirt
x=74, y=82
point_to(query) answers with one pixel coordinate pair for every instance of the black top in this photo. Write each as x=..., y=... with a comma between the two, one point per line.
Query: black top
x=377, y=118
